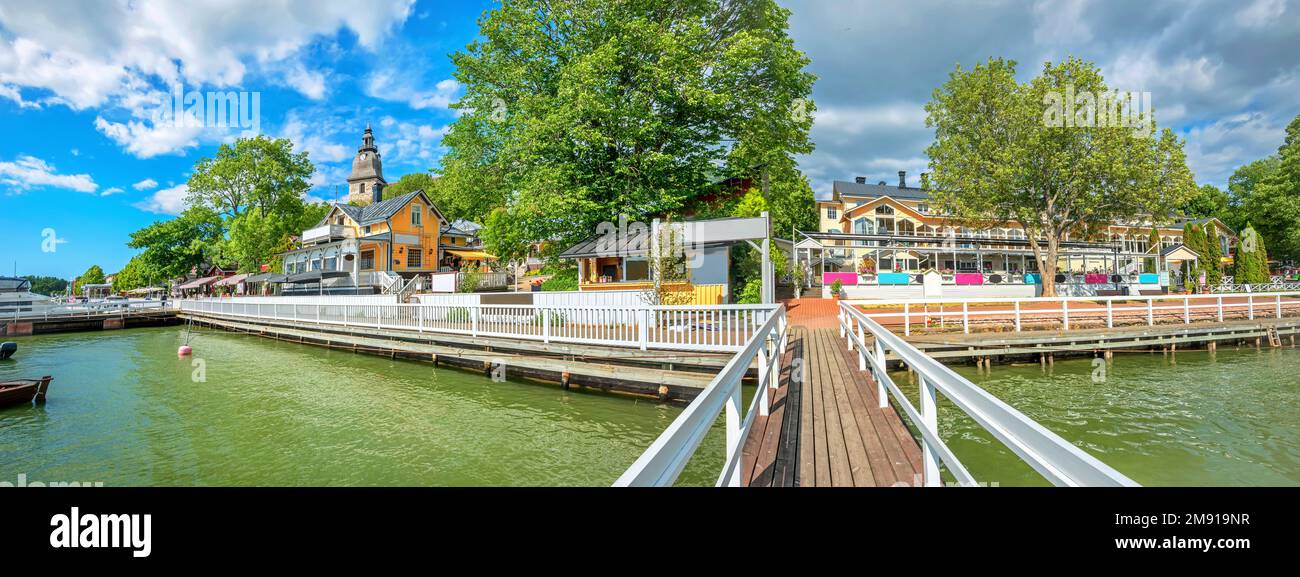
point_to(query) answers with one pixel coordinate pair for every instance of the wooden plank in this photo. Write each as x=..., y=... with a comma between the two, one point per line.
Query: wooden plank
x=841, y=471
x=807, y=447
x=787, y=460
x=821, y=446
x=887, y=428
x=867, y=414
x=858, y=464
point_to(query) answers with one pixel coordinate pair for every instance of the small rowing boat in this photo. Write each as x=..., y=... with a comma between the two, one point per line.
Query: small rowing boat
x=23, y=391
x=7, y=350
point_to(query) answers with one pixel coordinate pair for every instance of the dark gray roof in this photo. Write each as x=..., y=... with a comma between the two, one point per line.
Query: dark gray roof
x=844, y=188
x=380, y=211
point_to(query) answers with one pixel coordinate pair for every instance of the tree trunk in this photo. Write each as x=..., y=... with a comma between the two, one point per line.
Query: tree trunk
x=1048, y=266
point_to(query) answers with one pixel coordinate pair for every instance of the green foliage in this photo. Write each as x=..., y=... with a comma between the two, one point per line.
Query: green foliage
x=133, y=276
x=93, y=275
x=564, y=280
x=413, y=182
x=837, y=287
x=995, y=157
x=576, y=112
x=1213, y=255
x=1266, y=193
x=751, y=294
x=469, y=280
x=47, y=285
x=255, y=172
x=1194, y=238
x=257, y=238
x=171, y=248
x=1208, y=202
x=1251, y=263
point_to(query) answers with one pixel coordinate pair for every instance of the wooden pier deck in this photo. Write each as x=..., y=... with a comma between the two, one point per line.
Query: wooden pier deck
x=825, y=429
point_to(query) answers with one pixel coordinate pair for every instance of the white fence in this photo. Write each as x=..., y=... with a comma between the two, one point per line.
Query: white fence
x=548, y=298
x=1142, y=309
x=1056, y=459
x=660, y=464
x=107, y=309
x=310, y=299
x=721, y=328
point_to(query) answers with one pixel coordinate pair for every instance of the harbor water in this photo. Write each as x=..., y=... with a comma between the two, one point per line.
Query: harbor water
x=247, y=411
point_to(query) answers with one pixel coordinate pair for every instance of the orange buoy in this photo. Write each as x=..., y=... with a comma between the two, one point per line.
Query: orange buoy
x=184, y=351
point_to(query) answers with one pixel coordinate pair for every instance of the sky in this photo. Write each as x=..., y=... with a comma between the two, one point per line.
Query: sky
x=89, y=158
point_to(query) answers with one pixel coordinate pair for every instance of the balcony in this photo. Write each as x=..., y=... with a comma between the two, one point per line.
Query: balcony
x=325, y=233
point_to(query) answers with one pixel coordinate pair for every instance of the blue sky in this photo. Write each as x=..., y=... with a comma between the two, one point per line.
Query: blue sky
x=79, y=81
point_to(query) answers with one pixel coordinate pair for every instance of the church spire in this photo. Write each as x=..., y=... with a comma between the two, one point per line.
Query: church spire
x=368, y=141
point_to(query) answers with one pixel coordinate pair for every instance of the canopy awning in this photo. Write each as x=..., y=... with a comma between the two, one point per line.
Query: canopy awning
x=231, y=280
x=315, y=276
x=199, y=283
x=472, y=254
x=268, y=277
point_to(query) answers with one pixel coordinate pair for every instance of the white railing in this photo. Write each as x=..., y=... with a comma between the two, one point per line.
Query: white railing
x=660, y=464
x=324, y=232
x=1275, y=286
x=1056, y=459
x=717, y=328
x=1142, y=309
x=83, y=310
x=487, y=280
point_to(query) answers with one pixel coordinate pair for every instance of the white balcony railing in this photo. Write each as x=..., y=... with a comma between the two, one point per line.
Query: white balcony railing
x=327, y=232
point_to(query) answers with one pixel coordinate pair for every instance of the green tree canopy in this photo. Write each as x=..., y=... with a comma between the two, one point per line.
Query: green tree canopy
x=1251, y=263
x=416, y=181
x=1208, y=202
x=1213, y=255
x=995, y=158
x=172, y=247
x=1194, y=238
x=47, y=285
x=93, y=275
x=256, y=172
x=1267, y=194
x=578, y=111
x=1153, y=247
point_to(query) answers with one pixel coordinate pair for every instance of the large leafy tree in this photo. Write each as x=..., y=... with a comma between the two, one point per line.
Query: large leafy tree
x=1194, y=238
x=1251, y=262
x=412, y=182
x=258, y=238
x=995, y=158
x=47, y=285
x=172, y=247
x=1209, y=201
x=256, y=172
x=93, y=275
x=577, y=111
x=1267, y=194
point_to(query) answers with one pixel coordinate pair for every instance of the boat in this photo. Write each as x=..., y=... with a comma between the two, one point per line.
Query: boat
x=24, y=391
x=16, y=296
x=7, y=350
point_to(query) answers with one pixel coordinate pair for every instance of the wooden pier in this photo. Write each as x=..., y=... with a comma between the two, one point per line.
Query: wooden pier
x=609, y=369
x=87, y=322
x=826, y=428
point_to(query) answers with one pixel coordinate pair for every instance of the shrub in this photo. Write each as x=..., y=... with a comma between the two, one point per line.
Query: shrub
x=752, y=294
x=565, y=280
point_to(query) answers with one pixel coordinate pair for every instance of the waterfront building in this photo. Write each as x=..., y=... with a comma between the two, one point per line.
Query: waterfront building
x=880, y=239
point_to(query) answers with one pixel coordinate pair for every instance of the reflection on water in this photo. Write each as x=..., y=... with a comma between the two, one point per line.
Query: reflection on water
x=123, y=409
x=1230, y=418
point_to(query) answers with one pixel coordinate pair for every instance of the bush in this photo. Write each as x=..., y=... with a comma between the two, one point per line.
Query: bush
x=565, y=280
x=752, y=294
x=470, y=278
x=837, y=288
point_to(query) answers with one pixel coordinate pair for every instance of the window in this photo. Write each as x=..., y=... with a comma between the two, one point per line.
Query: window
x=831, y=214
x=331, y=263
x=361, y=190
x=413, y=256
x=417, y=215
x=367, y=260
x=365, y=230
x=884, y=210
x=637, y=269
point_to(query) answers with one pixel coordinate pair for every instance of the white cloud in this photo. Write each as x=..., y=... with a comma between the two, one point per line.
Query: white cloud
x=118, y=53
x=860, y=120
x=147, y=140
x=145, y=184
x=166, y=201
x=1261, y=13
x=395, y=85
x=111, y=191
x=28, y=172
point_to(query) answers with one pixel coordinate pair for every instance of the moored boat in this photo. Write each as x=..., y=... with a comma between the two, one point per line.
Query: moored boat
x=7, y=350
x=24, y=391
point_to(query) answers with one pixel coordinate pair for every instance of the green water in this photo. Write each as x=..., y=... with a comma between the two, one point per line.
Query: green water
x=124, y=410
x=1226, y=419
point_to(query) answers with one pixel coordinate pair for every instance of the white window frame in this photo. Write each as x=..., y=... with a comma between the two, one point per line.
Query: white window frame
x=417, y=215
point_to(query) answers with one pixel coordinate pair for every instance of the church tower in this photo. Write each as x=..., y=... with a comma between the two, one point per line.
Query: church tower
x=366, y=185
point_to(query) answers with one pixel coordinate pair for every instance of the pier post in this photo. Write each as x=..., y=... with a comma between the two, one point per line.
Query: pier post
x=929, y=420
x=764, y=383
x=733, y=435
x=1110, y=315
x=862, y=353
x=1017, y=316
x=907, y=317
x=965, y=317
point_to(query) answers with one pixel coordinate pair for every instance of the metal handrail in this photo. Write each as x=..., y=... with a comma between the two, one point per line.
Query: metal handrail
x=664, y=460
x=1056, y=459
